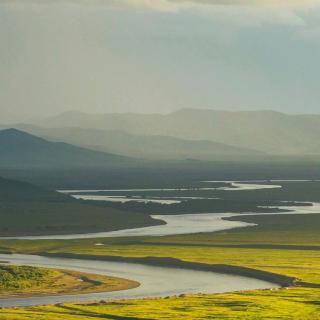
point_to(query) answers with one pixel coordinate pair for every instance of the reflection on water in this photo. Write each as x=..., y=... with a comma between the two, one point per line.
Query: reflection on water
x=155, y=281
x=124, y=199
x=182, y=224
x=235, y=186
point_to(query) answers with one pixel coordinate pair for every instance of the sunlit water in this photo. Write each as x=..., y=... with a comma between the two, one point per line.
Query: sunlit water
x=124, y=199
x=154, y=281
x=182, y=224
x=235, y=186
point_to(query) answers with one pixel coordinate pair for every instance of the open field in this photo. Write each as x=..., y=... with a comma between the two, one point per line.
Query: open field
x=166, y=174
x=23, y=281
x=298, y=304
x=281, y=244
x=277, y=245
x=273, y=231
x=273, y=256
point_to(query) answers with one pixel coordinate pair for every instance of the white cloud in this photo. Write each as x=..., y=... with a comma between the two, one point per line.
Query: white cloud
x=232, y=12
x=235, y=12
x=176, y=5
x=181, y=5
x=245, y=12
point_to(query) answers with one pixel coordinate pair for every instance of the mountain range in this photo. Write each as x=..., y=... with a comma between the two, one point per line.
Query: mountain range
x=138, y=146
x=267, y=132
x=21, y=149
x=76, y=139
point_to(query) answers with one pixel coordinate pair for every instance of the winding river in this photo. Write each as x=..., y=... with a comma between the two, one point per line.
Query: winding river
x=154, y=281
x=233, y=186
x=180, y=224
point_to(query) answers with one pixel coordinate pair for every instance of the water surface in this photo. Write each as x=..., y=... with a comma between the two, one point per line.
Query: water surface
x=154, y=281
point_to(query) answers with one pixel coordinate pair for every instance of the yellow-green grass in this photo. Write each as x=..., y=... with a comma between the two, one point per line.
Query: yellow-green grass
x=273, y=230
x=293, y=303
x=33, y=281
x=296, y=304
x=301, y=264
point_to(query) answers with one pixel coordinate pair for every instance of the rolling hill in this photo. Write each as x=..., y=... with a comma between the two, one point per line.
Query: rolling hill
x=26, y=209
x=21, y=149
x=266, y=131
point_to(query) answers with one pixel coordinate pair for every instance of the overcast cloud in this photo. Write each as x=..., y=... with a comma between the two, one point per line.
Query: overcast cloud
x=158, y=56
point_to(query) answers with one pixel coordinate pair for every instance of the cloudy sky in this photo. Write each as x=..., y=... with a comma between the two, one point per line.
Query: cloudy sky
x=158, y=56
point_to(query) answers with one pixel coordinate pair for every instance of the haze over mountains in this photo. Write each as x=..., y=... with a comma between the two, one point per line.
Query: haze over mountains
x=100, y=139
x=147, y=147
x=264, y=131
x=20, y=149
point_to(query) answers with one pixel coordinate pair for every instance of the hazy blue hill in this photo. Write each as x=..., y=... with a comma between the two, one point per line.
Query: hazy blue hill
x=130, y=122
x=151, y=147
x=265, y=131
x=18, y=148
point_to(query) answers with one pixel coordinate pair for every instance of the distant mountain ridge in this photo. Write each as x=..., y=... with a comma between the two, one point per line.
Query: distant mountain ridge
x=21, y=149
x=265, y=131
x=148, y=147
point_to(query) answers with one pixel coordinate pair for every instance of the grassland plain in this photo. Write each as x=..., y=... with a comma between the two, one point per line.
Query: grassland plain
x=301, y=304
x=31, y=281
x=277, y=253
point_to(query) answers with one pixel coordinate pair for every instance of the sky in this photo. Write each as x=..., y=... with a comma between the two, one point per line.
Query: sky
x=158, y=56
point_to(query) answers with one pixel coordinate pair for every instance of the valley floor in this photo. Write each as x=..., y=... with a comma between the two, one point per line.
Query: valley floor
x=288, y=245
x=278, y=252
x=294, y=303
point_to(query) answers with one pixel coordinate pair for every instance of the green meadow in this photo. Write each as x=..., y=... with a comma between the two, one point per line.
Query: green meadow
x=301, y=304
x=25, y=281
x=294, y=253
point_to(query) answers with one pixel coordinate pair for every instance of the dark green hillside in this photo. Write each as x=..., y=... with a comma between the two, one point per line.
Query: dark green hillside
x=29, y=210
x=11, y=190
x=20, y=149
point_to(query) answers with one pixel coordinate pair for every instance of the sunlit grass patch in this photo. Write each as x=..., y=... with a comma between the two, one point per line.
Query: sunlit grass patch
x=295, y=303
